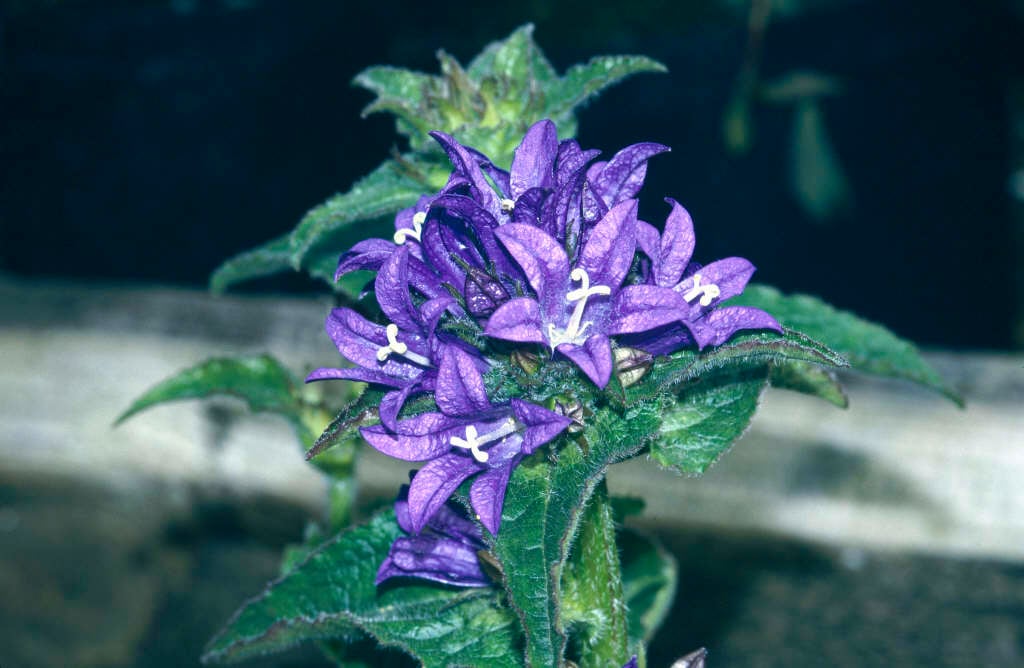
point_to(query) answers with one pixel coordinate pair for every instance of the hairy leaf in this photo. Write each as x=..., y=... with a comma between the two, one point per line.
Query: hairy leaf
x=745, y=351
x=261, y=381
x=649, y=577
x=332, y=593
x=384, y=191
x=870, y=348
x=359, y=413
x=808, y=379
x=708, y=416
x=582, y=82
x=270, y=258
x=540, y=517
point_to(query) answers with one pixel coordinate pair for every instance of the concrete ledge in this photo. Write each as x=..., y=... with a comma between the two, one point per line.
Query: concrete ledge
x=902, y=469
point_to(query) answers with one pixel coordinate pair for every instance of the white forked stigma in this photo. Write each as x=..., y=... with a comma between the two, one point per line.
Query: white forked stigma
x=473, y=440
x=575, y=329
x=418, y=219
x=705, y=292
x=507, y=205
x=397, y=347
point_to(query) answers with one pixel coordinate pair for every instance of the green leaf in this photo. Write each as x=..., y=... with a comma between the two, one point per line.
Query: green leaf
x=261, y=381
x=752, y=350
x=582, y=82
x=808, y=379
x=399, y=91
x=517, y=56
x=270, y=258
x=361, y=412
x=542, y=509
x=708, y=416
x=385, y=190
x=649, y=577
x=594, y=605
x=332, y=593
x=870, y=348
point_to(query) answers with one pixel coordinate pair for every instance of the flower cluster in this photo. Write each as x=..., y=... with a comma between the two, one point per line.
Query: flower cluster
x=547, y=256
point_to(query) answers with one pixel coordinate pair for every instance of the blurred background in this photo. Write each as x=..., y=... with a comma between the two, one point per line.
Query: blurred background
x=867, y=151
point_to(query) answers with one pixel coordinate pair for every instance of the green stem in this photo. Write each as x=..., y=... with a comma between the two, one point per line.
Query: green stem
x=595, y=606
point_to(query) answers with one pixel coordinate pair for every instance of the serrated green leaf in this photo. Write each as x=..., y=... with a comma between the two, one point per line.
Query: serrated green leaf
x=869, y=347
x=270, y=258
x=360, y=412
x=261, y=381
x=385, y=190
x=582, y=82
x=649, y=578
x=707, y=417
x=542, y=509
x=809, y=379
x=750, y=350
x=332, y=593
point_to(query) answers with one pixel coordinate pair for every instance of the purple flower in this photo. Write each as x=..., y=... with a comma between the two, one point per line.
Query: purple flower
x=690, y=291
x=575, y=310
x=400, y=355
x=631, y=663
x=444, y=551
x=470, y=436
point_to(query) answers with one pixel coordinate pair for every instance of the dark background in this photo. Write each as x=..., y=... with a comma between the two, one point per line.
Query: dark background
x=149, y=141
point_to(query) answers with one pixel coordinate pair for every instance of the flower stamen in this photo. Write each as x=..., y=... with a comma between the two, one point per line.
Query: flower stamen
x=507, y=205
x=576, y=327
x=397, y=347
x=418, y=219
x=706, y=292
x=473, y=440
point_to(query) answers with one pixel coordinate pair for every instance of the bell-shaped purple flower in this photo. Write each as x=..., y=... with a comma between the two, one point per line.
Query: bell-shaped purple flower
x=576, y=308
x=691, y=292
x=444, y=551
x=400, y=355
x=470, y=436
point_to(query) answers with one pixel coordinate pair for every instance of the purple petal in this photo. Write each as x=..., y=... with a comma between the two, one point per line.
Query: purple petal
x=368, y=254
x=676, y=246
x=533, y=162
x=529, y=207
x=487, y=495
x=358, y=340
x=542, y=258
x=481, y=224
x=661, y=341
x=467, y=165
x=594, y=358
x=730, y=276
x=542, y=425
x=392, y=402
x=624, y=174
x=355, y=373
x=433, y=557
x=608, y=252
x=483, y=293
x=571, y=159
x=460, y=385
x=392, y=290
x=640, y=308
x=517, y=320
x=430, y=313
x=498, y=175
x=416, y=439
x=434, y=483
x=719, y=325
x=562, y=208
x=438, y=248
x=592, y=206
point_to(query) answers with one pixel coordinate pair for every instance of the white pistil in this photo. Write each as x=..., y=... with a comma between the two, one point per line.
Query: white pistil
x=397, y=347
x=576, y=327
x=418, y=219
x=473, y=440
x=507, y=205
x=705, y=292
